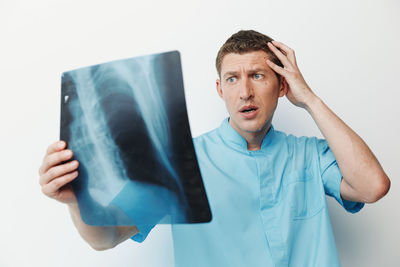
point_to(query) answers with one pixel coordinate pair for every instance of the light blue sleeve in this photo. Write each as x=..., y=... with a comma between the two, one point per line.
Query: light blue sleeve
x=144, y=230
x=332, y=177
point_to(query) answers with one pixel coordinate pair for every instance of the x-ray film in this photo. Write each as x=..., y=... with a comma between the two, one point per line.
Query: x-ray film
x=126, y=122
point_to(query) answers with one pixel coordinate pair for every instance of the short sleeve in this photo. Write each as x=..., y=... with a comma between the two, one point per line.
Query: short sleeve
x=129, y=202
x=332, y=177
x=144, y=230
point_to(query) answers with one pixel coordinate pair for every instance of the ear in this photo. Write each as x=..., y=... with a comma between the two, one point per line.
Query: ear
x=283, y=86
x=219, y=88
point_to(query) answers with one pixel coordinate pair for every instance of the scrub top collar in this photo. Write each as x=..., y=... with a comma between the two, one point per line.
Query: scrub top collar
x=233, y=138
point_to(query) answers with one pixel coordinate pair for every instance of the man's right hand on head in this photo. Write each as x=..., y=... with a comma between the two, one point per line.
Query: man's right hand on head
x=56, y=174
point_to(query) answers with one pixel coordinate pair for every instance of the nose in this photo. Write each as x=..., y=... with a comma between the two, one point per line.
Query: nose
x=246, y=89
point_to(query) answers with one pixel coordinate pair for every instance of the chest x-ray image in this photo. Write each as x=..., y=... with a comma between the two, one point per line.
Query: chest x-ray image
x=126, y=122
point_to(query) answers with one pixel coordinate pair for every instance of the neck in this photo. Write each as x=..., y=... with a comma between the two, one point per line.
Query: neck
x=254, y=139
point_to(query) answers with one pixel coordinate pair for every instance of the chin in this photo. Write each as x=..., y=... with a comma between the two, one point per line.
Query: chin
x=252, y=126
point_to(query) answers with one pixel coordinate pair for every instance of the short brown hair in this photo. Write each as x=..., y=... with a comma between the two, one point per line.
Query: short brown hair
x=244, y=42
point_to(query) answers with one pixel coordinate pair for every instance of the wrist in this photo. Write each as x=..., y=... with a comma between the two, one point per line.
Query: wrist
x=312, y=102
x=73, y=207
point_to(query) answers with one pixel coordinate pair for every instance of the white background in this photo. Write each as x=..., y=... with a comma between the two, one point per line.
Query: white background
x=348, y=52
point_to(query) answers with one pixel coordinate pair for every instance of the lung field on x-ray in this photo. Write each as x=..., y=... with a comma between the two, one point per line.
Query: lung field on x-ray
x=121, y=120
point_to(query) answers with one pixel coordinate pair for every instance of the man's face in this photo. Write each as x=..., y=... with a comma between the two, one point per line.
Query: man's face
x=250, y=90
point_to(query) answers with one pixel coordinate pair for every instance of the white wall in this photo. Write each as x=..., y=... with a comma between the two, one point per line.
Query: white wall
x=348, y=52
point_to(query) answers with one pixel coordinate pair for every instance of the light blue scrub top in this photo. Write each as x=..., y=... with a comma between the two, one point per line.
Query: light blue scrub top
x=269, y=206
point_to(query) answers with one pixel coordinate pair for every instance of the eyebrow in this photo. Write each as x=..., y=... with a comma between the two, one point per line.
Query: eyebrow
x=235, y=73
x=230, y=73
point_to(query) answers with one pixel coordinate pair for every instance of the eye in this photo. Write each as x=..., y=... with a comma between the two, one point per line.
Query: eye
x=231, y=79
x=258, y=76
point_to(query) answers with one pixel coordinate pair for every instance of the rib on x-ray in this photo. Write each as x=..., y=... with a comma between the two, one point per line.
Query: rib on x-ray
x=127, y=124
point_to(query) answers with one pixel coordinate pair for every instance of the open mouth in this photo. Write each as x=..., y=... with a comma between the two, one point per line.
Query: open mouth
x=248, y=109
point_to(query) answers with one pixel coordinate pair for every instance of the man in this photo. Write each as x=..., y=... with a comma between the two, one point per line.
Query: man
x=266, y=189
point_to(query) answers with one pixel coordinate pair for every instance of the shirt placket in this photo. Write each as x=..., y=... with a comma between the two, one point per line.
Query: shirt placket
x=268, y=201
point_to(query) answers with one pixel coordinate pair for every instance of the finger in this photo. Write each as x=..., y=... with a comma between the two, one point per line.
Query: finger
x=56, y=146
x=276, y=68
x=54, y=186
x=58, y=171
x=283, y=58
x=54, y=159
x=289, y=51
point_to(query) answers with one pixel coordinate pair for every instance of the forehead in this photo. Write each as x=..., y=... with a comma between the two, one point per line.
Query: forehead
x=237, y=62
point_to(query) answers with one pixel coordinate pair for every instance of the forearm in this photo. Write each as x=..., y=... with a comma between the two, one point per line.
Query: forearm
x=358, y=165
x=100, y=237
